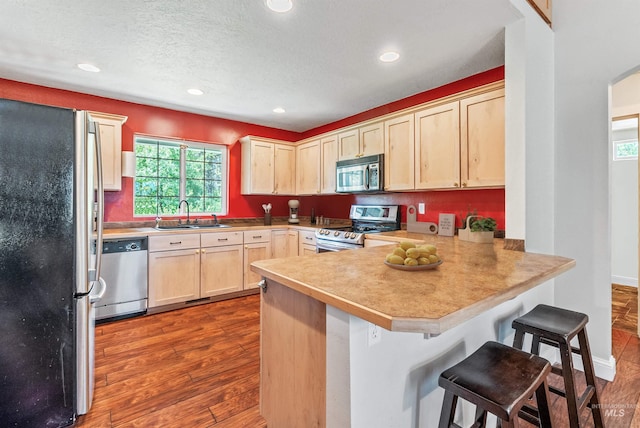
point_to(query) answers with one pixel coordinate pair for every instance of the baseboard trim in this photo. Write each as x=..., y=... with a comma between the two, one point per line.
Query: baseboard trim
x=605, y=369
x=624, y=280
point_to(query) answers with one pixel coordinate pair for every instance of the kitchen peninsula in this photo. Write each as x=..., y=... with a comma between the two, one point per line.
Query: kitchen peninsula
x=324, y=361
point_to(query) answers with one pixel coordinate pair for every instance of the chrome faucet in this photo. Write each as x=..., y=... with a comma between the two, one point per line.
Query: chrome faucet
x=215, y=219
x=180, y=205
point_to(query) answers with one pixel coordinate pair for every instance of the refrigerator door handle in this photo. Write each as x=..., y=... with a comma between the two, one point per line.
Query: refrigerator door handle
x=100, y=195
x=103, y=287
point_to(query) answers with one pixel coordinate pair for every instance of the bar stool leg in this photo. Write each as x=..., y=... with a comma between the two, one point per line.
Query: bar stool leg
x=587, y=363
x=542, y=400
x=569, y=384
x=518, y=340
x=448, y=410
x=481, y=418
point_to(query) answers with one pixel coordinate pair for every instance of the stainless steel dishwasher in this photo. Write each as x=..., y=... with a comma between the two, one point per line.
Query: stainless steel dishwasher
x=124, y=269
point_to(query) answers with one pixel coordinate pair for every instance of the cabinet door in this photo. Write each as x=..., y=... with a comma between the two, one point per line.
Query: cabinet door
x=482, y=140
x=399, y=153
x=372, y=139
x=279, y=244
x=254, y=252
x=110, y=126
x=348, y=144
x=284, y=170
x=292, y=243
x=221, y=270
x=174, y=276
x=306, y=241
x=329, y=157
x=306, y=249
x=438, y=147
x=261, y=171
x=308, y=168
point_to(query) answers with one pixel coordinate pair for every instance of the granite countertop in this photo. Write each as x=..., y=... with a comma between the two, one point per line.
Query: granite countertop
x=472, y=279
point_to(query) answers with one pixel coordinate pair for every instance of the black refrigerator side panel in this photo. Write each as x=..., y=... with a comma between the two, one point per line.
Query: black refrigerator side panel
x=37, y=319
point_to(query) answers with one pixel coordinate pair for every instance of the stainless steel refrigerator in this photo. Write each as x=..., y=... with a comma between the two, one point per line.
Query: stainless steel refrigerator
x=49, y=277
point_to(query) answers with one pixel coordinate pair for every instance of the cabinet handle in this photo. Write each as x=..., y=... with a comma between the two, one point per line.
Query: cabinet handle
x=464, y=184
x=203, y=251
x=257, y=237
x=175, y=243
x=198, y=251
x=308, y=238
x=223, y=239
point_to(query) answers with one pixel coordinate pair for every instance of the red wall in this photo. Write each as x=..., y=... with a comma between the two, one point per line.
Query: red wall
x=157, y=121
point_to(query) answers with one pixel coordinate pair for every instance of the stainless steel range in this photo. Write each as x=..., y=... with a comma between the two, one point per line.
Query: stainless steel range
x=364, y=219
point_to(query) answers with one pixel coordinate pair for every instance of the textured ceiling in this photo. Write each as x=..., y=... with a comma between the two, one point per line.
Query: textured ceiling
x=318, y=61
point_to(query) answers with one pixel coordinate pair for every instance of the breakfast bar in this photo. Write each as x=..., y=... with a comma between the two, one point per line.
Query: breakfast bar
x=347, y=341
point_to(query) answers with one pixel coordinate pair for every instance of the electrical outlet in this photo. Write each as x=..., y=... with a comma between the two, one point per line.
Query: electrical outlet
x=375, y=334
x=421, y=208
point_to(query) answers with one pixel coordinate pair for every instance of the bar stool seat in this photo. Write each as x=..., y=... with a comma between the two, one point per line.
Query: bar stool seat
x=557, y=327
x=498, y=379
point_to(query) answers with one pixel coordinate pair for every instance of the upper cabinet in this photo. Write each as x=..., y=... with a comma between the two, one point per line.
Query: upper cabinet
x=482, y=140
x=268, y=167
x=308, y=168
x=363, y=141
x=450, y=143
x=110, y=126
x=437, y=157
x=399, y=153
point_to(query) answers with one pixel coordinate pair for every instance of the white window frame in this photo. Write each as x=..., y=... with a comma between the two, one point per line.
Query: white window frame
x=185, y=145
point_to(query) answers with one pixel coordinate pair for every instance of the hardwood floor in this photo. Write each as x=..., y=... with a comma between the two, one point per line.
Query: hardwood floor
x=199, y=367
x=193, y=367
x=624, y=308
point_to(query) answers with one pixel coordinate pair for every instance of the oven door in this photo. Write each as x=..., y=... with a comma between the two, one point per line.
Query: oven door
x=325, y=246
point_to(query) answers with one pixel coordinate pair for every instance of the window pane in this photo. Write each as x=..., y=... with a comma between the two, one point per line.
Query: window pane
x=628, y=149
x=158, y=183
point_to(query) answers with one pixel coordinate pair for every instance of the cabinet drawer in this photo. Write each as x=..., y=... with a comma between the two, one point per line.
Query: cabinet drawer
x=174, y=242
x=257, y=236
x=218, y=239
x=307, y=237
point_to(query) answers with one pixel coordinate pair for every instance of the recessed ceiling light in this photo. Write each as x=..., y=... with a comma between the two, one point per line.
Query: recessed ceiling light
x=278, y=110
x=88, y=67
x=195, y=91
x=389, y=56
x=280, y=5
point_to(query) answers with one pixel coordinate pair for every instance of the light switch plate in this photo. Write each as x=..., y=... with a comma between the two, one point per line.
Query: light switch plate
x=421, y=208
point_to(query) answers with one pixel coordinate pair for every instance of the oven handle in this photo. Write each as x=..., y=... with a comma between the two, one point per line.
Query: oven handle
x=321, y=246
x=366, y=178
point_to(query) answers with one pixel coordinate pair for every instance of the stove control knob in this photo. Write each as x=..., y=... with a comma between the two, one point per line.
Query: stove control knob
x=326, y=232
x=336, y=233
x=353, y=236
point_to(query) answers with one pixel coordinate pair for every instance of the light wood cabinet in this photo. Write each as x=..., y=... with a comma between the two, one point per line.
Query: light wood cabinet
x=221, y=263
x=363, y=141
x=292, y=243
x=110, y=126
x=284, y=243
x=348, y=144
x=437, y=145
x=372, y=139
x=482, y=140
x=174, y=269
x=257, y=246
x=306, y=242
x=308, y=160
x=328, y=159
x=268, y=167
x=399, y=153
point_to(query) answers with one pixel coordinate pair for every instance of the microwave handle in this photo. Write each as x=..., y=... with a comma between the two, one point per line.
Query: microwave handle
x=366, y=177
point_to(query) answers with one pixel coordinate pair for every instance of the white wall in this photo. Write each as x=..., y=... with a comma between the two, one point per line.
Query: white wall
x=625, y=101
x=592, y=50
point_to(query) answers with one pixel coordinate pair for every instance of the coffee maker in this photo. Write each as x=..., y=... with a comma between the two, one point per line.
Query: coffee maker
x=293, y=211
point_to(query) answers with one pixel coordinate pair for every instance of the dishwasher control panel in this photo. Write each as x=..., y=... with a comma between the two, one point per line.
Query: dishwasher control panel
x=121, y=246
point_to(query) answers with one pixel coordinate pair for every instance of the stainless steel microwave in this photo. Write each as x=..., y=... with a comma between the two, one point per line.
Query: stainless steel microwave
x=360, y=175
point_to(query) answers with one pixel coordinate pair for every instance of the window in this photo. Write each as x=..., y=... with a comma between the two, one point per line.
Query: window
x=169, y=171
x=625, y=138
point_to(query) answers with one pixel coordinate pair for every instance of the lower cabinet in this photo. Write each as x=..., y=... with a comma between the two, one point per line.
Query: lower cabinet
x=306, y=242
x=174, y=269
x=221, y=263
x=257, y=246
x=185, y=267
x=284, y=243
x=292, y=243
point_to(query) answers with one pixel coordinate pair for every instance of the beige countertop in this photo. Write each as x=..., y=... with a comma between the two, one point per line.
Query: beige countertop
x=472, y=279
x=236, y=226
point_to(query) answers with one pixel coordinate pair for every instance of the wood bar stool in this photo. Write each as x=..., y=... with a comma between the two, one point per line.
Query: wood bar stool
x=498, y=379
x=556, y=327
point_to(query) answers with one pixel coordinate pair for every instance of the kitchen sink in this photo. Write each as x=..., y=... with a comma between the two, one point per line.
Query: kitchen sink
x=192, y=226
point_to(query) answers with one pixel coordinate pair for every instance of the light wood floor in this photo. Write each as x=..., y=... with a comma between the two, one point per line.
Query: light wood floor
x=199, y=367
